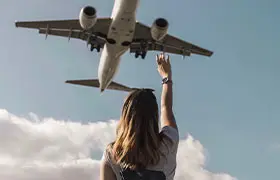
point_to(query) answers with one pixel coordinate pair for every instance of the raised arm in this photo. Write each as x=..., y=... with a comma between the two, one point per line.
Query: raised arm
x=164, y=69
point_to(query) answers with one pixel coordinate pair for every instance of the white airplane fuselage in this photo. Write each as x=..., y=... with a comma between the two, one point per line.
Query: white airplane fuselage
x=120, y=33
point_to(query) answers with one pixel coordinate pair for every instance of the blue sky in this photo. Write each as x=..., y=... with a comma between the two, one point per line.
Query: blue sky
x=230, y=102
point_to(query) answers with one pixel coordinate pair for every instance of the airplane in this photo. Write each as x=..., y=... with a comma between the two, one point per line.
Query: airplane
x=116, y=35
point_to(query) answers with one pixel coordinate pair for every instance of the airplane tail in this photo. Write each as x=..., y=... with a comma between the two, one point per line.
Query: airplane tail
x=95, y=83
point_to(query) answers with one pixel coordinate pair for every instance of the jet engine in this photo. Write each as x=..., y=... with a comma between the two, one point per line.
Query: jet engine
x=159, y=29
x=87, y=17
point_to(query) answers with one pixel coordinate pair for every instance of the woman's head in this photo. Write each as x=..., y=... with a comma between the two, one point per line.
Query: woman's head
x=138, y=135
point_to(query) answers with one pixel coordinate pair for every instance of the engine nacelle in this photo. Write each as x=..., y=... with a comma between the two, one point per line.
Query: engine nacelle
x=159, y=29
x=87, y=17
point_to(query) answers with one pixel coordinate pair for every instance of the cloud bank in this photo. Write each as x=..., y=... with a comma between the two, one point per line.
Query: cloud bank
x=33, y=148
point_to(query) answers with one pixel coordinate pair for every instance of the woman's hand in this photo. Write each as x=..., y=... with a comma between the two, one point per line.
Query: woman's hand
x=164, y=66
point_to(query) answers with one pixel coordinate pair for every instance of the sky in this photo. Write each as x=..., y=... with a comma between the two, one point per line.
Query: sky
x=226, y=106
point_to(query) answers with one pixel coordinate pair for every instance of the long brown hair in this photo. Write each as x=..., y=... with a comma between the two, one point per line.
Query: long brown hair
x=138, y=138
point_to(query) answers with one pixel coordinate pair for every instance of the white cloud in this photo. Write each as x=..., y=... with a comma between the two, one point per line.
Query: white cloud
x=33, y=148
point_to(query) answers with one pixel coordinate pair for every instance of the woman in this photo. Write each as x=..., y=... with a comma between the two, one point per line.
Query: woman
x=141, y=150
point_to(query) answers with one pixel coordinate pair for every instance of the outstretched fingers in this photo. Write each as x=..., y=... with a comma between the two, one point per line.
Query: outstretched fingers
x=162, y=59
x=157, y=58
x=168, y=59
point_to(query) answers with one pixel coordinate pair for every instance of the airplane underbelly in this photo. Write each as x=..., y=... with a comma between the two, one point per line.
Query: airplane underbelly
x=122, y=28
x=109, y=63
x=116, y=50
x=121, y=32
x=124, y=6
x=119, y=37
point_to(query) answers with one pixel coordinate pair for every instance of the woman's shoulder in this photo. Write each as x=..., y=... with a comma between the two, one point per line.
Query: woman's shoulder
x=171, y=133
x=170, y=142
x=107, y=153
x=108, y=150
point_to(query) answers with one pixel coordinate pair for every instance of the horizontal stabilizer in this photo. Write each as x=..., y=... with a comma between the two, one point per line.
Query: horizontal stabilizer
x=95, y=83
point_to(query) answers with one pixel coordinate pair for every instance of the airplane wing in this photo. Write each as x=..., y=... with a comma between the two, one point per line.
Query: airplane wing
x=95, y=83
x=169, y=44
x=69, y=28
